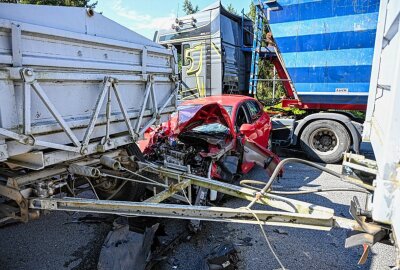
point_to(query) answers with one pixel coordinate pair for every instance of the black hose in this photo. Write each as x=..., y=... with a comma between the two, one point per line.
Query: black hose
x=301, y=192
x=278, y=169
x=248, y=184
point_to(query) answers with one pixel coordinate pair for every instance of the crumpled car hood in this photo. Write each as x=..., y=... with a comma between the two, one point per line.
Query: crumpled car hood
x=193, y=116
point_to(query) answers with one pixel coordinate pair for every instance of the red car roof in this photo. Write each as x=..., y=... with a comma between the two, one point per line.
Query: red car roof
x=227, y=100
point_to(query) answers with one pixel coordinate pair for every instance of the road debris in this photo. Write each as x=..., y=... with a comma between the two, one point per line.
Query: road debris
x=280, y=231
x=124, y=249
x=223, y=256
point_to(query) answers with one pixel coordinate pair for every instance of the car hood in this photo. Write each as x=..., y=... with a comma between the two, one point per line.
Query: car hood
x=190, y=117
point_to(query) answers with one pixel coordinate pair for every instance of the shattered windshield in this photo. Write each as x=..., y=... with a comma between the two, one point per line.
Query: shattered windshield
x=214, y=128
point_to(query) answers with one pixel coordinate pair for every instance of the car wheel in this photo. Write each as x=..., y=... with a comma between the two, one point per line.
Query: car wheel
x=325, y=141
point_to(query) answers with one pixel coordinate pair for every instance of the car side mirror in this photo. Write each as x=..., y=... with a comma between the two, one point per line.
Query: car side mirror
x=245, y=128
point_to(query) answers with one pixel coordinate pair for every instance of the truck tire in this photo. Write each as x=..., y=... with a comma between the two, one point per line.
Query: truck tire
x=131, y=191
x=325, y=141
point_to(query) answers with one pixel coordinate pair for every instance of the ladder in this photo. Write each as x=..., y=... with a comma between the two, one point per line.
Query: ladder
x=256, y=49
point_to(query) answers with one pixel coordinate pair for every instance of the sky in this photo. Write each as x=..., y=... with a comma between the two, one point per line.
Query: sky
x=147, y=16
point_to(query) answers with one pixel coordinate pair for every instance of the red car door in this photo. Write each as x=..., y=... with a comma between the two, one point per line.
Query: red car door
x=260, y=121
x=256, y=131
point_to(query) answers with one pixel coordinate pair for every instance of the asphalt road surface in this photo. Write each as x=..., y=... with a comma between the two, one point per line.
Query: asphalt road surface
x=65, y=241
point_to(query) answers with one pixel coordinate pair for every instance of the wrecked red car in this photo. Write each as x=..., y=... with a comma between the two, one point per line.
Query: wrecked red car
x=219, y=137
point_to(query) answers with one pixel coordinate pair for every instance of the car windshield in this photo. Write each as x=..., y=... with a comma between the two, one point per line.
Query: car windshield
x=208, y=129
x=214, y=128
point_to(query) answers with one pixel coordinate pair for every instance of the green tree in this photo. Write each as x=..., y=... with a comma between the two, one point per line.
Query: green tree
x=74, y=3
x=188, y=7
x=231, y=9
x=266, y=70
x=252, y=11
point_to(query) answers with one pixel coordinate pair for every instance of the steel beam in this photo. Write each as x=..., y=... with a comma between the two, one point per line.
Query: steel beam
x=123, y=110
x=220, y=214
x=45, y=99
x=27, y=108
x=144, y=105
x=160, y=111
x=99, y=103
x=171, y=191
x=16, y=42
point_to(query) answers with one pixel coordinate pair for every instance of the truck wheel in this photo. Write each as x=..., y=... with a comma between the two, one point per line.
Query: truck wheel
x=325, y=141
x=110, y=188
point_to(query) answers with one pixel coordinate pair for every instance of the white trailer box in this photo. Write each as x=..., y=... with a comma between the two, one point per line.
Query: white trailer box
x=382, y=126
x=74, y=83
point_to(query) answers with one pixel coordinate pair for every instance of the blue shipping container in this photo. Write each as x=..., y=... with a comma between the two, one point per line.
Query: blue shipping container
x=327, y=47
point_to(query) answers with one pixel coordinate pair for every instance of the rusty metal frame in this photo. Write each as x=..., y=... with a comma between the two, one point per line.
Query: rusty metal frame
x=221, y=214
x=15, y=194
x=293, y=213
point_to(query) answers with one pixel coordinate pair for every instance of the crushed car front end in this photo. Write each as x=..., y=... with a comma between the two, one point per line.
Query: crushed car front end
x=201, y=139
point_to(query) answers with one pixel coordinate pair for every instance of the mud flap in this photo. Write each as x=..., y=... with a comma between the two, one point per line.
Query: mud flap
x=255, y=153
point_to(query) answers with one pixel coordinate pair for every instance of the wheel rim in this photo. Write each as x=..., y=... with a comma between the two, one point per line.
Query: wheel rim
x=324, y=141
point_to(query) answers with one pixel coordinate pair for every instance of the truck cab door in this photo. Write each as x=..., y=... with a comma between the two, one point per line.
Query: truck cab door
x=193, y=70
